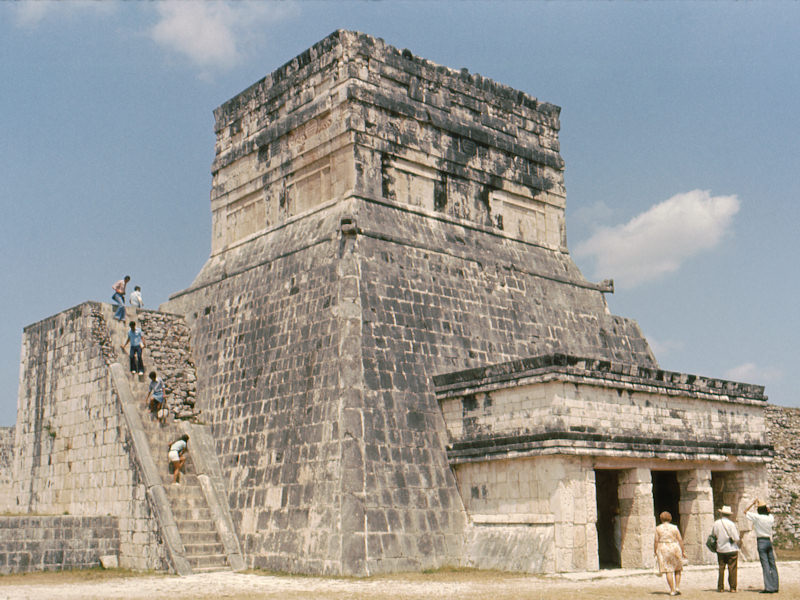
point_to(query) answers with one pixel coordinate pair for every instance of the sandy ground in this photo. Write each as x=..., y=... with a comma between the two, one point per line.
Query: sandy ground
x=698, y=582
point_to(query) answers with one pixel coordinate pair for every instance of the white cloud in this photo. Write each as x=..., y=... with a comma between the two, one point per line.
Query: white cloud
x=752, y=373
x=212, y=35
x=31, y=14
x=661, y=239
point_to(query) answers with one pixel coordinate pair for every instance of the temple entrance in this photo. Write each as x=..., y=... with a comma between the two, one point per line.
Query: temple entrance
x=666, y=495
x=609, y=532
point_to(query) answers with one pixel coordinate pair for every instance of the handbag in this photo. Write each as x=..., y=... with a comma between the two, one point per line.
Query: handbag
x=711, y=542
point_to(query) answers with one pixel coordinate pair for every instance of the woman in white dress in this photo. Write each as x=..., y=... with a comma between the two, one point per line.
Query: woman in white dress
x=669, y=552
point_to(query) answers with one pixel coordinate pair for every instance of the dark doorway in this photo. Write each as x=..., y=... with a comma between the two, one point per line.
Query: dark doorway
x=609, y=534
x=666, y=494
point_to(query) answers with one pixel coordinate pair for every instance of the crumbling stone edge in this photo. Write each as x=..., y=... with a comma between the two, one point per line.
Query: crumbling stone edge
x=152, y=480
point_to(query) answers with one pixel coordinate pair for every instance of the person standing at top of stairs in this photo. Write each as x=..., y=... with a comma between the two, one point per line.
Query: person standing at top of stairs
x=119, y=297
x=136, y=297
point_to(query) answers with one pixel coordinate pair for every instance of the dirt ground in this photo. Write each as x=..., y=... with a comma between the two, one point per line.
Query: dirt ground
x=698, y=582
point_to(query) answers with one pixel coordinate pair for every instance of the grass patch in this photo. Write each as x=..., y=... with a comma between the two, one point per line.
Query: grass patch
x=74, y=576
x=787, y=554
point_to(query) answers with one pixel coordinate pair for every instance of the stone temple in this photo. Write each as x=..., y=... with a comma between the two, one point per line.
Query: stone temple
x=389, y=361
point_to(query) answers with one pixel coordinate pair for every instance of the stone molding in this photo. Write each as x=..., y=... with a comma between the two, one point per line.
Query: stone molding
x=575, y=442
x=592, y=371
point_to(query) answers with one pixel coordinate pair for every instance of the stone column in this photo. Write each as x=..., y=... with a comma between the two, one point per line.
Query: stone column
x=592, y=560
x=636, y=514
x=574, y=512
x=743, y=487
x=697, y=514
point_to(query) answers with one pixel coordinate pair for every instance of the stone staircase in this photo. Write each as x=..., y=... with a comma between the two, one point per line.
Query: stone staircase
x=203, y=549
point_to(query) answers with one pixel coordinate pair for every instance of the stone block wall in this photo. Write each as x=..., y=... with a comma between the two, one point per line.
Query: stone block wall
x=6, y=468
x=636, y=518
x=696, y=509
x=56, y=543
x=318, y=481
x=315, y=343
x=784, y=474
x=267, y=343
x=534, y=514
x=73, y=448
x=610, y=412
x=167, y=351
x=352, y=114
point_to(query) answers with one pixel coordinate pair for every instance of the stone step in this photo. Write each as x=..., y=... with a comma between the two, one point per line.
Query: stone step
x=190, y=498
x=208, y=562
x=188, y=477
x=195, y=526
x=199, y=537
x=212, y=569
x=195, y=513
x=203, y=549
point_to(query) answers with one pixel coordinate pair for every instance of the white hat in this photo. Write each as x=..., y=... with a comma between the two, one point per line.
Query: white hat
x=725, y=510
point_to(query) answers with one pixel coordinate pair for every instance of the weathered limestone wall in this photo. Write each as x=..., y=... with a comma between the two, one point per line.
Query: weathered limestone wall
x=636, y=516
x=696, y=509
x=73, y=452
x=168, y=351
x=6, y=468
x=279, y=361
x=39, y=543
x=353, y=115
x=784, y=474
x=533, y=515
x=580, y=409
x=310, y=308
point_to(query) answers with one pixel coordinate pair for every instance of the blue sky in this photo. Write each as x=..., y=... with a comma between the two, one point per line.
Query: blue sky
x=680, y=134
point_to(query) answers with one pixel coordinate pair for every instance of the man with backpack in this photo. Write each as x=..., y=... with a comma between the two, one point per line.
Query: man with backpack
x=728, y=540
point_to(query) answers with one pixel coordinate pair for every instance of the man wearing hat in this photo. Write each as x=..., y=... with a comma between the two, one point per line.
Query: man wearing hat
x=728, y=539
x=762, y=526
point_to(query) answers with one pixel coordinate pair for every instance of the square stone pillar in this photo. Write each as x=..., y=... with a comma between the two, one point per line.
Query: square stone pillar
x=744, y=486
x=637, y=520
x=696, y=506
x=574, y=510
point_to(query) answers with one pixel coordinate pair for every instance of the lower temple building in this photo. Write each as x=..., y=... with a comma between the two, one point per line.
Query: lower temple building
x=576, y=457
x=389, y=361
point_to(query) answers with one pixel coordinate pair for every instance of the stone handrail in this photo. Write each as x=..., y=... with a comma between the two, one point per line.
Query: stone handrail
x=209, y=474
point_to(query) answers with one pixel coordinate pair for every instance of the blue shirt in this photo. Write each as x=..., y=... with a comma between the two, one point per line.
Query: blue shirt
x=178, y=446
x=135, y=337
x=157, y=389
